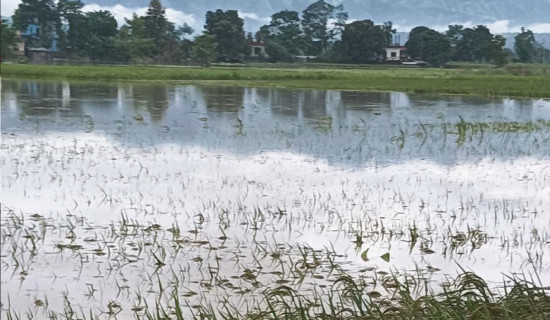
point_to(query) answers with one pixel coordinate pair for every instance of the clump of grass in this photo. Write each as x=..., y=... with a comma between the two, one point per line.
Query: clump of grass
x=467, y=297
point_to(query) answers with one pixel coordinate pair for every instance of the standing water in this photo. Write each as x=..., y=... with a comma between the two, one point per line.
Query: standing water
x=116, y=198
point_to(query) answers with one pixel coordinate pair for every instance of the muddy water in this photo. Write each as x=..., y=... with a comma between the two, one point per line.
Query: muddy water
x=113, y=193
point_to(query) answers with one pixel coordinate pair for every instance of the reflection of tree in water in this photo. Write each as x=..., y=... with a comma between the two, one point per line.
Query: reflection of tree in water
x=367, y=101
x=38, y=98
x=96, y=93
x=313, y=103
x=82, y=94
x=154, y=98
x=314, y=107
x=223, y=99
x=283, y=102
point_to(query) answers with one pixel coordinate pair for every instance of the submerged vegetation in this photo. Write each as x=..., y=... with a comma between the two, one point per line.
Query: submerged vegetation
x=295, y=283
x=513, y=81
x=167, y=201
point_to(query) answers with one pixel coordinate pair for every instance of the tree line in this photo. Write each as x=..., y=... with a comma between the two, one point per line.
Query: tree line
x=322, y=31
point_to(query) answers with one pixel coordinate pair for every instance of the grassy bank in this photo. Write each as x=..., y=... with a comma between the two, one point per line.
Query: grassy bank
x=515, y=81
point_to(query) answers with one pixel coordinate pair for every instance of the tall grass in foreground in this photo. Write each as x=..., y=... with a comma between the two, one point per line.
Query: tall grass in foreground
x=466, y=297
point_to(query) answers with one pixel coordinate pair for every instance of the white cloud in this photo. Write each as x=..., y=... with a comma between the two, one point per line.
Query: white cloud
x=253, y=16
x=179, y=18
x=540, y=27
x=9, y=6
x=120, y=12
x=501, y=26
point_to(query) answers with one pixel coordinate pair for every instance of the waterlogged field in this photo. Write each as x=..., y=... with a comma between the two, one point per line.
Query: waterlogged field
x=172, y=201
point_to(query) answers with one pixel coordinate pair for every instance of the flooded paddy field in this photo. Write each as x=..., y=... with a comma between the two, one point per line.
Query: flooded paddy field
x=172, y=201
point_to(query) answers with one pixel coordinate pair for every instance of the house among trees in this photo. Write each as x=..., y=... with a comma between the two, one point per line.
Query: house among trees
x=32, y=34
x=396, y=54
x=257, y=49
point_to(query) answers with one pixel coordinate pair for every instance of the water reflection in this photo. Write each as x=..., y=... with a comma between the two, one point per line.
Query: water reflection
x=344, y=127
x=434, y=181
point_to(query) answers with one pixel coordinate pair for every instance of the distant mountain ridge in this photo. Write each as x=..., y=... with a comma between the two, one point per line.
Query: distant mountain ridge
x=403, y=12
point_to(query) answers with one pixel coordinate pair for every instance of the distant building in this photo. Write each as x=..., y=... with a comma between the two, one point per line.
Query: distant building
x=33, y=34
x=257, y=49
x=396, y=54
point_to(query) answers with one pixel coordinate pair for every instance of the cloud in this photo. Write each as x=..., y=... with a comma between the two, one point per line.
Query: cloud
x=121, y=12
x=540, y=28
x=9, y=6
x=179, y=18
x=253, y=16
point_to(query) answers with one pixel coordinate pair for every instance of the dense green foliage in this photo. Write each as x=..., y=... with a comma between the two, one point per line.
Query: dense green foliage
x=363, y=42
x=284, y=36
x=514, y=80
x=321, y=32
x=315, y=21
x=92, y=35
x=8, y=39
x=228, y=29
x=525, y=45
x=428, y=45
x=204, y=49
x=134, y=41
x=476, y=44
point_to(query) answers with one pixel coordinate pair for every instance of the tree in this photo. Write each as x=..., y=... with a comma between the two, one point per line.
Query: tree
x=134, y=41
x=9, y=39
x=428, y=45
x=482, y=41
x=185, y=30
x=68, y=8
x=157, y=25
x=70, y=14
x=164, y=34
x=285, y=30
x=204, y=49
x=284, y=36
x=91, y=35
x=363, y=41
x=228, y=30
x=525, y=45
x=278, y=53
x=496, y=51
x=476, y=44
x=323, y=22
x=41, y=12
x=101, y=30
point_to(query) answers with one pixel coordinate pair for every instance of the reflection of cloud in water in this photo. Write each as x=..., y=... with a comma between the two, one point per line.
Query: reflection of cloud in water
x=332, y=161
x=498, y=197
x=342, y=127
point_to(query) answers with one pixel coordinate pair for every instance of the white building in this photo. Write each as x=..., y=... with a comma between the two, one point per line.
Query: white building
x=395, y=53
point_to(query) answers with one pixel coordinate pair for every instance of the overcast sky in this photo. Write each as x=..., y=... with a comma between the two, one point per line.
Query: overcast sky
x=253, y=21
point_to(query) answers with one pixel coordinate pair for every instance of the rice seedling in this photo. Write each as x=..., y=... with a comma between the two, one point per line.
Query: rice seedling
x=294, y=219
